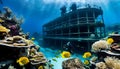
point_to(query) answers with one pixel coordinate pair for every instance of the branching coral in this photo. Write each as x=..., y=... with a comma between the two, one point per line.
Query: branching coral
x=98, y=45
x=112, y=62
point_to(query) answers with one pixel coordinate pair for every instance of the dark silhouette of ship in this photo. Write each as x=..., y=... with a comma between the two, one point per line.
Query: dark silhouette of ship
x=80, y=26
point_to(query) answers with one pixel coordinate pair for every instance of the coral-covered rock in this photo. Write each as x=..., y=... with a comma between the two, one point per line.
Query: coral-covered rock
x=74, y=63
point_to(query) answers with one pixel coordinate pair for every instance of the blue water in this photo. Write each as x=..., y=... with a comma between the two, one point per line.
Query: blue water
x=38, y=12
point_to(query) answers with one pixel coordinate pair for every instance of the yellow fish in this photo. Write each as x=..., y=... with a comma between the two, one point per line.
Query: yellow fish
x=23, y=61
x=66, y=54
x=110, y=40
x=86, y=55
x=86, y=62
x=41, y=67
x=32, y=38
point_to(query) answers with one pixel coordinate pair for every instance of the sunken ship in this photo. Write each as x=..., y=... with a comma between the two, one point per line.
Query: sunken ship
x=80, y=26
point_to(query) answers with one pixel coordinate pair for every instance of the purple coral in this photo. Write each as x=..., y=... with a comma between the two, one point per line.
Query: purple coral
x=14, y=30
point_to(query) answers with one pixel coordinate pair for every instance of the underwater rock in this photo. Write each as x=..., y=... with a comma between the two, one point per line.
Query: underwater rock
x=74, y=63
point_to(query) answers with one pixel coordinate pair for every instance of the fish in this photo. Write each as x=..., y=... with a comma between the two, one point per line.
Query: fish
x=110, y=40
x=86, y=62
x=54, y=59
x=32, y=38
x=57, y=56
x=87, y=55
x=66, y=54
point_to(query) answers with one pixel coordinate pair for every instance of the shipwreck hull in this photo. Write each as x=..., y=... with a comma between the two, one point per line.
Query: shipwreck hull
x=81, y=27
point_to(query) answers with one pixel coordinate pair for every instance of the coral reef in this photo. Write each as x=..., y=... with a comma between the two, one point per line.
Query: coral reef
x=74, y=63
x=101, y=65
x=109, y=50
x=16, y=45
x=99, y=45
x=112, y=62
x=9, y=21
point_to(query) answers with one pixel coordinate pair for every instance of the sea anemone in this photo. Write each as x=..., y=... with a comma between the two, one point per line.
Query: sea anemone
x=110, y=41
x=101, y=65
x=98, y=45
x=41, y=67
x=23, y=61
x=65, y=54
x=86, y=55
